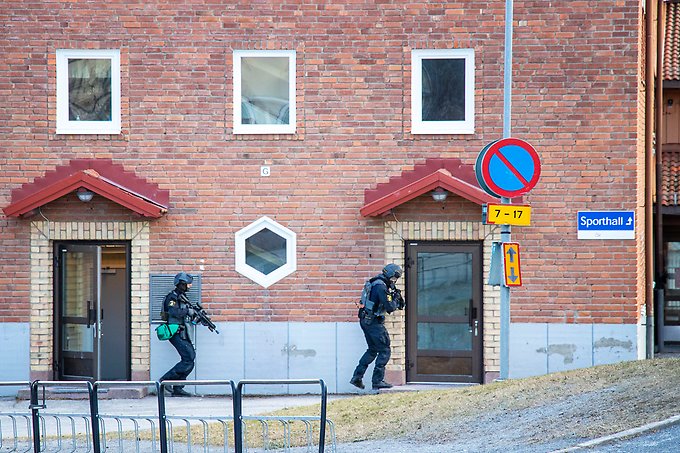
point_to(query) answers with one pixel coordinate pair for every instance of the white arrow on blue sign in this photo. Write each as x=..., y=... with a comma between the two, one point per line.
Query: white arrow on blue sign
x=606, y=224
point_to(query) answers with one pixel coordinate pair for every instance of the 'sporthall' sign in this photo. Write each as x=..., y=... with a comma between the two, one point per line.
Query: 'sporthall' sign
x=606, y=224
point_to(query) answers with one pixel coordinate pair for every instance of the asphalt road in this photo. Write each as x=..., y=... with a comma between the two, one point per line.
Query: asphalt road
x=664, y=440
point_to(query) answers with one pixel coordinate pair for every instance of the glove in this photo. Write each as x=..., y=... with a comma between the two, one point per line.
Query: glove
x=190, y=312
x=399, y=299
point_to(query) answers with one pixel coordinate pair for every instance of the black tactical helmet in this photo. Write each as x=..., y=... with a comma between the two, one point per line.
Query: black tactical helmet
x=183, y=277
x=392, y=270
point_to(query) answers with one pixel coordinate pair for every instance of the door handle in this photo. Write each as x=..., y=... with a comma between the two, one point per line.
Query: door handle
x=91, y=314
x=470, y=316
x=476, y=327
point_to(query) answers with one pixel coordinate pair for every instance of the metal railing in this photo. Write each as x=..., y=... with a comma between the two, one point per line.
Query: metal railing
x=100, y=431
x=41, y=429
x=165, y=420
x=15, y=427
x=239, y=431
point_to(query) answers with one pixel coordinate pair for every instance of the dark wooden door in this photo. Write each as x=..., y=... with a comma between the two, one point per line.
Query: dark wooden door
x=444, y=322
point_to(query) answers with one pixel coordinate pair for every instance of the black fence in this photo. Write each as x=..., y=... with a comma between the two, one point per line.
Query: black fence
x=64, y=431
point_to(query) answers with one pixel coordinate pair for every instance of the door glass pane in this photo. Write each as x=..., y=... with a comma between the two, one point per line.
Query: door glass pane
x=79, y=284
x=78, y=338
x=444, y=284
x=444, y=336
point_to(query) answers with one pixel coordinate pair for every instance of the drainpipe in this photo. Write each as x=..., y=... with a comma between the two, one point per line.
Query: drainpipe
x=647, y=316
x=659, y=262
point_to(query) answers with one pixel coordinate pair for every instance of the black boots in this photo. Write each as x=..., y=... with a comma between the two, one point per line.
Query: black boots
x=357, y=382
x=179, y=391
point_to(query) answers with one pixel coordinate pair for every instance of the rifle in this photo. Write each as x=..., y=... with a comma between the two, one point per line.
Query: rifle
x=398, y=298
x=199, y=314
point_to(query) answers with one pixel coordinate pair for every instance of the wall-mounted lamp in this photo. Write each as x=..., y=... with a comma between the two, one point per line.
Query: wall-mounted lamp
x=439, y=194
x=84, y=194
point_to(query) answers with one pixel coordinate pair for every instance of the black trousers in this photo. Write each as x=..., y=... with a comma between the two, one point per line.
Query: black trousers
x=378, y=342
x=187, y=356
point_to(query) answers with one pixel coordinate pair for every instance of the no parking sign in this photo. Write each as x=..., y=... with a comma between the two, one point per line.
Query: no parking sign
x=508, y=168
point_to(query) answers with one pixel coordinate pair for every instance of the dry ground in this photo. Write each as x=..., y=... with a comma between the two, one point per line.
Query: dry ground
x=554, y=410
x=538, y=414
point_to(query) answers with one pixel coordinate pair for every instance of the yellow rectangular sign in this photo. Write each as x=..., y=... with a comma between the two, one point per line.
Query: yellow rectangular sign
x=511, y=268
x=508, y=214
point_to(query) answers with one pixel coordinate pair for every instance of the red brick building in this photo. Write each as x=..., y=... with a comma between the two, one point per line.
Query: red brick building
x=285, y=152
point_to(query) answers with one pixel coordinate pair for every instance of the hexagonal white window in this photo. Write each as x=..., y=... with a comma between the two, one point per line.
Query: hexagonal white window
x=265, y=252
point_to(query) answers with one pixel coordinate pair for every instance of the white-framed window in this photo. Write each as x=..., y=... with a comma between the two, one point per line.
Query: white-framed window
x=264, y=91
x=443, y=91
x=265, y=252
x=88, y=91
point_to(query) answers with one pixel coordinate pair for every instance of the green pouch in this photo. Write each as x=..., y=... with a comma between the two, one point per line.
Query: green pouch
x=166, y=331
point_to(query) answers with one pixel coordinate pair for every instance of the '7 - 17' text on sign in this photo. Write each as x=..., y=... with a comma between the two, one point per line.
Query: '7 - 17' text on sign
x=508, y=214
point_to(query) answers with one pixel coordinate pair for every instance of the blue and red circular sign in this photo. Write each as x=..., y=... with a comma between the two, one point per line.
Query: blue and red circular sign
x=508, y=168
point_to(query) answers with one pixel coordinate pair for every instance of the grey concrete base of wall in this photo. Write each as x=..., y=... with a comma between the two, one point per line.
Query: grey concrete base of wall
x=537, y=349
x=15, y=347
x=330, y=351
x=274, y=350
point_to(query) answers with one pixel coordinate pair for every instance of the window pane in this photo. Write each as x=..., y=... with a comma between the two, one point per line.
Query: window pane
x=671, y=311
x=443, y=89
x=89, y=89
x=265, y=251
x=265, y=87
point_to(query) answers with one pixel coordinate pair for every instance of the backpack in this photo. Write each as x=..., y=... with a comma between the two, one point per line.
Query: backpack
x=365, y=302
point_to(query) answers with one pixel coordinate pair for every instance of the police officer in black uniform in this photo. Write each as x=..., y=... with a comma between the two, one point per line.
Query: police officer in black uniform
x=177, y=311
x=386, y=299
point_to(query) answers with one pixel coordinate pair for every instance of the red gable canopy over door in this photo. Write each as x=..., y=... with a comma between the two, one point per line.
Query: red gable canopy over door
x=449, y=174
x=101, y=176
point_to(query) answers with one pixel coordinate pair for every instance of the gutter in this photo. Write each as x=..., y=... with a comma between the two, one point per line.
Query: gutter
x=647, y=316
x=659, y=262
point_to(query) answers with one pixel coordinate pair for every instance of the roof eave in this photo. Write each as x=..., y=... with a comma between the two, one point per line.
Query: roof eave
x=91, y=181
x=440, y=178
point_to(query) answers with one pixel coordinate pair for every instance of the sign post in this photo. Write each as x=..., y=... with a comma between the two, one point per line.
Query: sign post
x=505, y=169
x=505, y=229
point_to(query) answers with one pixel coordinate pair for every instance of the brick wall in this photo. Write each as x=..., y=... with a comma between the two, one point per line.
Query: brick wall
x=575, y=98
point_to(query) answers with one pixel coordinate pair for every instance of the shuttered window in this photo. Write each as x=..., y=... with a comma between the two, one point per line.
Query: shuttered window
x=160, y=285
